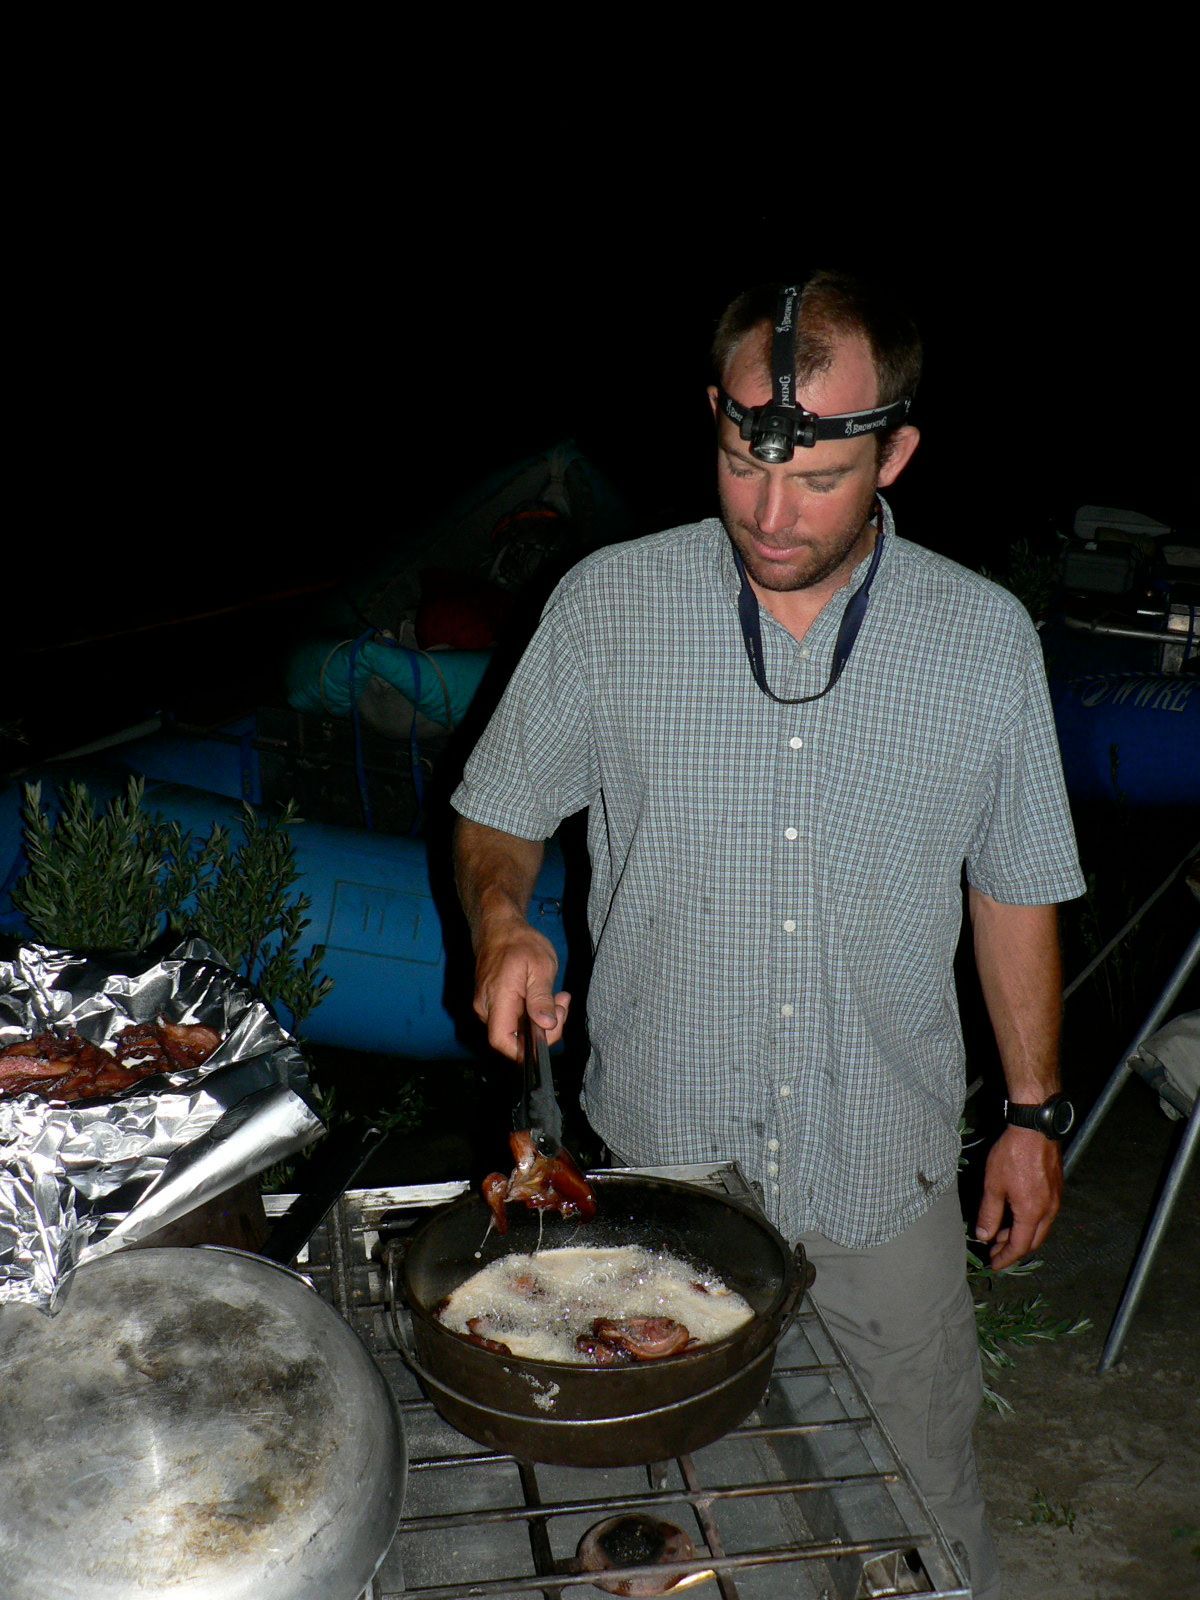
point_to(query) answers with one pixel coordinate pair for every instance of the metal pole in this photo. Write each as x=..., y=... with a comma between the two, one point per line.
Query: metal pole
x=1145, y=1260
x=1117, y=1082
x=1193, y=853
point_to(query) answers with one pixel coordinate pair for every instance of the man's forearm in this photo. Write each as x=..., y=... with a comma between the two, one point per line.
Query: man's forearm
x=1020, y=972
x=515, y=965
x=495, y=873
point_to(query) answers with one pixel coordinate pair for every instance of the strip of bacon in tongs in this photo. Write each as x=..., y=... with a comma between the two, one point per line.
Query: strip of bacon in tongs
x=541, y=1182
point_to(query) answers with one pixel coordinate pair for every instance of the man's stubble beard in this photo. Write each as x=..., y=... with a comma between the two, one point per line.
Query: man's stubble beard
x=780, y=582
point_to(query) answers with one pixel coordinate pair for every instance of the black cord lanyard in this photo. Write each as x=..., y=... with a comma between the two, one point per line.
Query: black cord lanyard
x=852, y=621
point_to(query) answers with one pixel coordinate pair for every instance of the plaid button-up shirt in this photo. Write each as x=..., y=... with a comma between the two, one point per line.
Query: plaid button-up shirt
x=776, y=890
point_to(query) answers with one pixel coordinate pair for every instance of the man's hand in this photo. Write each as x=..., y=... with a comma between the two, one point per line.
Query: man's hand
x=1022, y=1191
x=515, y=965
x=514, y=973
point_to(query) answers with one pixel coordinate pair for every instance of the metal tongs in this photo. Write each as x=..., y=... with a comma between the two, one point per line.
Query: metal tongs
x=546, y=1176
x=538, y=1110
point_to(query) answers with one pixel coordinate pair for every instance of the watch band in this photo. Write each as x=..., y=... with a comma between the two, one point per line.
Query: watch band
x=1054, y=1117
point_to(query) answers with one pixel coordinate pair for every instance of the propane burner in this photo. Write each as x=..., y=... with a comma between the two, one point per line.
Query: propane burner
x=638, y=1541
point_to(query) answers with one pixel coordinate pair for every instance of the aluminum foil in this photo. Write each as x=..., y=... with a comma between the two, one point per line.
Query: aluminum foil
x=78, y=1182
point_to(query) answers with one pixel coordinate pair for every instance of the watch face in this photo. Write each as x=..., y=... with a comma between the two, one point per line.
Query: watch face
x=1062, y=1117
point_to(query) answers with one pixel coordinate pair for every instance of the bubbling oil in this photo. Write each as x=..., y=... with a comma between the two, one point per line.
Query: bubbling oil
x=539, y=1304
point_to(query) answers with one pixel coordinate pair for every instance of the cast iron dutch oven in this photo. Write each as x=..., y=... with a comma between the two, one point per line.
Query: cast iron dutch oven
x=195, y=1424
x=593, y=1416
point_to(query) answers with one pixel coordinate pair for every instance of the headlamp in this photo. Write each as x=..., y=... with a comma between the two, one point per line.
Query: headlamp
x=775, y=430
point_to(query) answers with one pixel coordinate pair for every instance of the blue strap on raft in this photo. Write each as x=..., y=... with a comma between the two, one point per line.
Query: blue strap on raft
x=318, y=676
x=414, y=748
x=326, y=677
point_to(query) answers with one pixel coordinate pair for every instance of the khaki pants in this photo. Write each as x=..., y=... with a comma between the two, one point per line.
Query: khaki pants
x=902, y=1313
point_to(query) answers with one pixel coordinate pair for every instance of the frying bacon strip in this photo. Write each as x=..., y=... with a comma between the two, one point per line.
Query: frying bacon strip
x=643, y=1338
x=476, y=1334
x=600, y=1353
x=66, y=1067
x=543, y=1183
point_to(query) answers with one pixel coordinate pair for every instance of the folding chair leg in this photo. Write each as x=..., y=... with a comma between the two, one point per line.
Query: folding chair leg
x=1145, y=1259
x=1123, y=1070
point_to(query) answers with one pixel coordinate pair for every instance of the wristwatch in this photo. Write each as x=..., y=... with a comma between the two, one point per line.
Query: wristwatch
x=1055, y=1117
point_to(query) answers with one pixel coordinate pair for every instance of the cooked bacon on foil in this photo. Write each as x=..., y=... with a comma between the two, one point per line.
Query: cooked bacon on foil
x=543, y=1183
x=69, y=1068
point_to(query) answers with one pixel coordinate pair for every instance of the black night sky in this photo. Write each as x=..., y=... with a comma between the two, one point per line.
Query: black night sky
x=281, y=363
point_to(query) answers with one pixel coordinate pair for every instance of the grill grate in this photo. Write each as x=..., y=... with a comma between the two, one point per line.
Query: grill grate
x=806, y=1499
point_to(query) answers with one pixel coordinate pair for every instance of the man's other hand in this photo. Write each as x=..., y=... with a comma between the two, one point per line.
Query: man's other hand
x=1022, y=1191
x=514, y=973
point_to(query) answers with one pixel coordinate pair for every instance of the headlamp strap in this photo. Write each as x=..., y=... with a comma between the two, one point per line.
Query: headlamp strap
x=848, y=628
x=843, y=425
x=783, y=349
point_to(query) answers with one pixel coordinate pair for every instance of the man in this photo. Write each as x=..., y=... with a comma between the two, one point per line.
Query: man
x=792, y=730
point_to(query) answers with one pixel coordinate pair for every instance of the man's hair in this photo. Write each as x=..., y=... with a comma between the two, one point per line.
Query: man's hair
x=832, y=304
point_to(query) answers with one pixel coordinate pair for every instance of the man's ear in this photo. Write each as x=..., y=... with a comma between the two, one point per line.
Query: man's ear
x=899, y=447
x=712, y=397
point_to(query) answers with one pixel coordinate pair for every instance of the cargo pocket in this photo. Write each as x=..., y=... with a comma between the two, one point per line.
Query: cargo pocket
x=958, y=1381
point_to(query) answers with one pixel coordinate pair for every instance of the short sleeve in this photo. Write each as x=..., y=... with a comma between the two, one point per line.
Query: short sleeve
x=535, y=762
x=1023, y=852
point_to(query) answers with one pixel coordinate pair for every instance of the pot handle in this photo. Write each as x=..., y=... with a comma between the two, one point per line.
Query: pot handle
x=552, y=1424
x=805, y=1275
x=394, y=1252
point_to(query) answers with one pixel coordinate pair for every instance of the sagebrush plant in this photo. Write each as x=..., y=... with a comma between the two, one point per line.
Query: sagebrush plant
x=1047, y=1513
x=116, y=879
x=1004, y=1325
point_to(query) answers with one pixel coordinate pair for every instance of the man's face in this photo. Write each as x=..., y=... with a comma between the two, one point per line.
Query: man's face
x=803, y=523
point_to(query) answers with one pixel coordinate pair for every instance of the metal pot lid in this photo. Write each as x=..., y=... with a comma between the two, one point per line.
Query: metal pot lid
x=194, y=1424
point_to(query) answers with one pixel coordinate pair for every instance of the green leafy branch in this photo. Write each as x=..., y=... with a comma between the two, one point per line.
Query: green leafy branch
x=93, y=881
x=242, y=898
x=1047, y=1513
x=117, y=879
x=1007, y=1325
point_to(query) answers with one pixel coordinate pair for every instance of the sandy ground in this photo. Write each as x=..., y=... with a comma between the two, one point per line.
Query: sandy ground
x=1116, y=1457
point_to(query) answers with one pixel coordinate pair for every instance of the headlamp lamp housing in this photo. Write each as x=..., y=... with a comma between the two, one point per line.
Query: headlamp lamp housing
x=774, y=432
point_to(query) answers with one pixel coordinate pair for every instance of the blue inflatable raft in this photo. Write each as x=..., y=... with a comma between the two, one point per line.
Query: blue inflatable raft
x=1130, y=737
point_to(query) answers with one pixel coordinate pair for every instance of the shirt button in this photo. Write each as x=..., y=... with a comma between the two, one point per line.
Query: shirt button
x=789, y=926
x=784, y=1091
x=791, y=833
x=772, y=1144
x=804, y=654
x=773, y=1169
x=787, y=1011
x=774, y=1188
x=796, y=744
